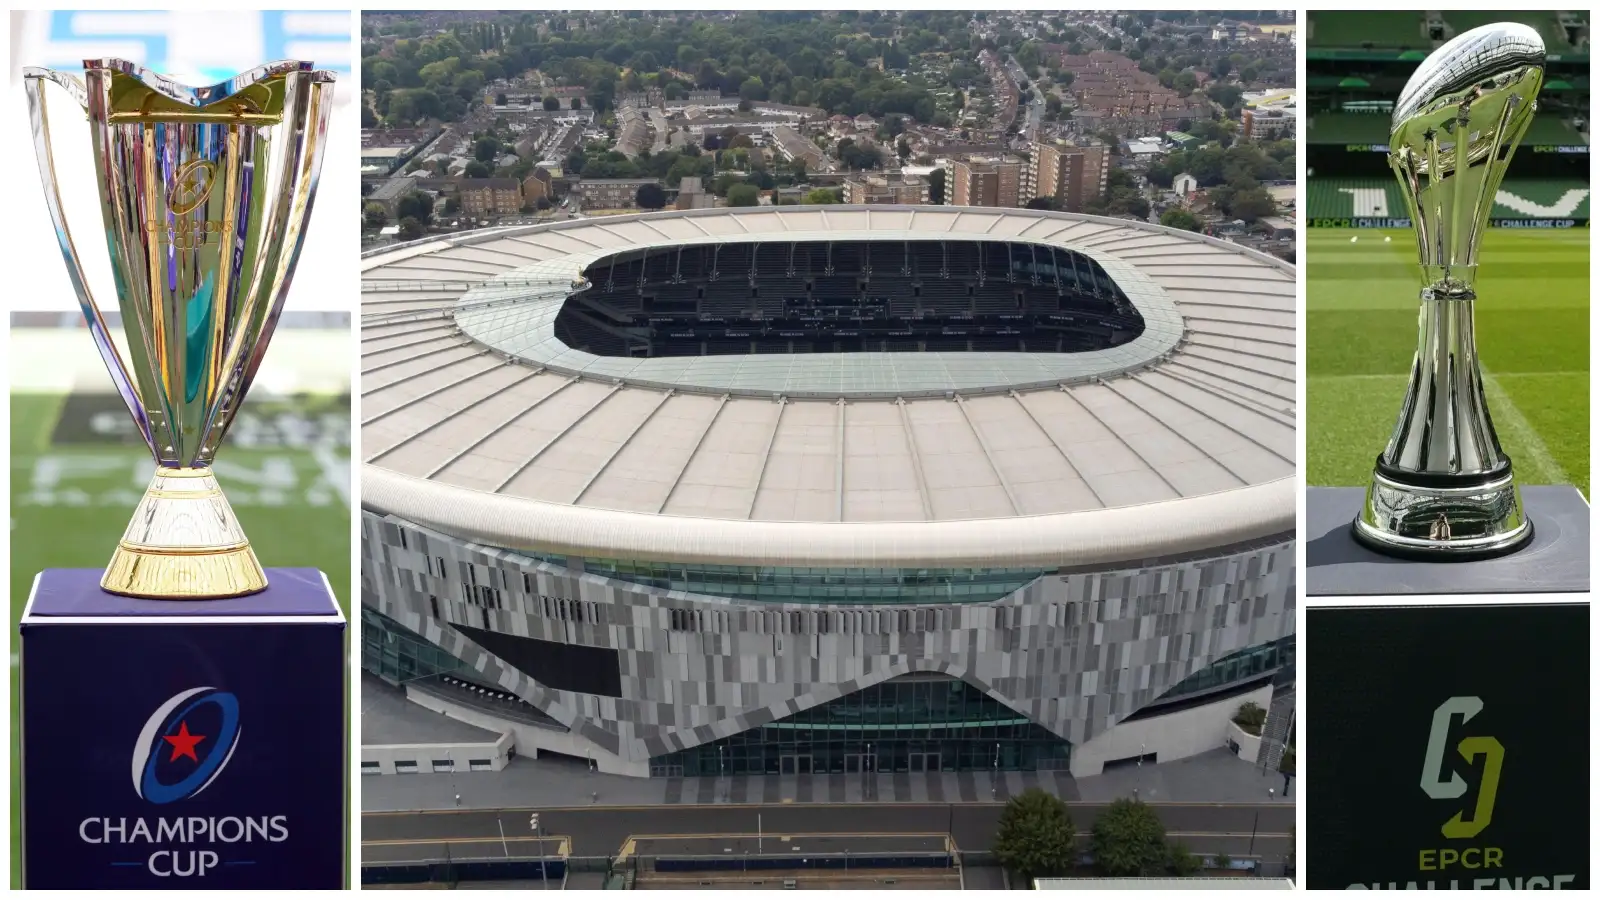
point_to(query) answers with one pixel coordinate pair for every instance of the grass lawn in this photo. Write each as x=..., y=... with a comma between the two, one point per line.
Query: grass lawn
x=1532, y=333
x=75, y=480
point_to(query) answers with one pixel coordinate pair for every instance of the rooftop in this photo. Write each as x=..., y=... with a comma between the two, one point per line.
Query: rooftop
x=479, y=421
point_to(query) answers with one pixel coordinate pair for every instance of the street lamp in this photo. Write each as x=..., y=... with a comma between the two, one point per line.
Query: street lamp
x=544, y=877
x=1271, y=793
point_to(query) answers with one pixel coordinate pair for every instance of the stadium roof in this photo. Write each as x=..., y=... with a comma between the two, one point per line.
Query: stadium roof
x=478, y=421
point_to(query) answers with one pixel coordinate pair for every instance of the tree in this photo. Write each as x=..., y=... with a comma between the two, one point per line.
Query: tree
x=1226, y=95
x=542, y=204
x=744, y=195
x=452, y=206
x=551, y=104
x=410, y=229
x=821, y=196
x=374, y=216
x=1180, y=218
x=1130, y=841
x=577, y=103
x=1040, y=203
x=500, y=99
x=486, y=149
x=477, y=169
x=1252, y=204
x=415, y=205
x=936, y=187
x=1180, y=861
x=650, y=196
x=1250, y=717
x=1036, y=837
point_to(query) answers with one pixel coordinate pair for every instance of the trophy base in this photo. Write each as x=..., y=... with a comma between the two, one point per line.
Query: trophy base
x=1454, y=520
x=184, y=544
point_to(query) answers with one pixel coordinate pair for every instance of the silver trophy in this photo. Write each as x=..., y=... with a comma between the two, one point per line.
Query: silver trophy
x=204, y=197
x=1443, y=489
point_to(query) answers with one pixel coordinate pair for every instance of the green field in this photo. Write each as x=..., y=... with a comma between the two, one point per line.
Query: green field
x=1532, y=333
x=77, y=472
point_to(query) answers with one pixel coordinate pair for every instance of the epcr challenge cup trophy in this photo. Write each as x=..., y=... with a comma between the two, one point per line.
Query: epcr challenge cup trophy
x=204, y=196
x=1443, y=489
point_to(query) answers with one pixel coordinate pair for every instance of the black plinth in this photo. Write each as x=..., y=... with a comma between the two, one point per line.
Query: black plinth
x=1447, y=708
x=1447, y=746
x=1555, y=561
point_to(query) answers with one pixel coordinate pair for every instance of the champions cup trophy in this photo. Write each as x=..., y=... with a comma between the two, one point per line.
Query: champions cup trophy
x=1443, y=489
x=204, y=196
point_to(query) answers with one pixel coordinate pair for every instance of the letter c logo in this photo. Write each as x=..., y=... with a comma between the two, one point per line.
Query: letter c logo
x=1470, y=749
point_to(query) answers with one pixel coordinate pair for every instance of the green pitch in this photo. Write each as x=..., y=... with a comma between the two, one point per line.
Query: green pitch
x=72, y=495
x=1533, y=340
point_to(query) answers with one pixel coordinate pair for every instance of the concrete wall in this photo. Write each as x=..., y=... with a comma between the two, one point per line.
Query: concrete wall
x=1249, y=744
x=1171, y=737
x=528, y=739
x=498, y=753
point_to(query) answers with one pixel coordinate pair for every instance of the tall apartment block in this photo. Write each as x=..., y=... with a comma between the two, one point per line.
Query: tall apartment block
x=1071, y=176
x=985, y=182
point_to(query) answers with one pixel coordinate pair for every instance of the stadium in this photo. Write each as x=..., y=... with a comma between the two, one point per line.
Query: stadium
x=790, y=490
x=1362, y=275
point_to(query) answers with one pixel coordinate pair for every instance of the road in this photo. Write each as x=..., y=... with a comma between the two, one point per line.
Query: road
x=1031, y=109
x=601, y=831
x=660, y=126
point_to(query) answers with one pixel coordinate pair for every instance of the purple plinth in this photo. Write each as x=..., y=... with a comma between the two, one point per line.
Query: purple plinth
x=77, y=592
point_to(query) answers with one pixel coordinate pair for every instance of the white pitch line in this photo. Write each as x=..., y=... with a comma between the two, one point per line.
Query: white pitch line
x=1507, y=418
x=335, y=471
x=1511, y=419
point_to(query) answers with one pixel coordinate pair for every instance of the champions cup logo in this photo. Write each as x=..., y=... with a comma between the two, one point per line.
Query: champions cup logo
x=1434, y=767
x=185, y=745
x=191, y=185
x=182, y=748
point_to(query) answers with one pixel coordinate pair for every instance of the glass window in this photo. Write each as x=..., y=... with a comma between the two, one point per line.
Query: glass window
x=895, y=726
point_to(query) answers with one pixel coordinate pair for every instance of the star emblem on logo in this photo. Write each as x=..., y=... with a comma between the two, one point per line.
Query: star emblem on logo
x=183, y=743
x=191, y=185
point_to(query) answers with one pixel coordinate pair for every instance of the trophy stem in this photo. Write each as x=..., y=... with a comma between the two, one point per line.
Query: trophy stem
x=184, y=543
x=1443, y=489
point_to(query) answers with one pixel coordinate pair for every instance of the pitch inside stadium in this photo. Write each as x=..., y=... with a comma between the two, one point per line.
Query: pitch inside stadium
x=791, y=490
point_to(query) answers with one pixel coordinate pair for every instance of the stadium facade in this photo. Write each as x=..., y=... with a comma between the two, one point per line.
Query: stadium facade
x=831, y=489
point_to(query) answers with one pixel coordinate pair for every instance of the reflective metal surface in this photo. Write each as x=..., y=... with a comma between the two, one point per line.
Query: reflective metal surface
x=204, y=197
x=1443, y=488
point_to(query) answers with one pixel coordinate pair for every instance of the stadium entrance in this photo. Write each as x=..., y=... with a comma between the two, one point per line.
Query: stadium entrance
x=750, y=297
x=922, y=722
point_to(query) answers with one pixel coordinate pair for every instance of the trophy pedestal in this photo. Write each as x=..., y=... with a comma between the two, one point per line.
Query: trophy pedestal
x=183, y=744
x=1493, y=657
x=1555, y=560
x=1436, y=523
x=184, y=543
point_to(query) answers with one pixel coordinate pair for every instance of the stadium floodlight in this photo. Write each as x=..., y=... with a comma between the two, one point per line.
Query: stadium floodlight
x=1443, y=489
